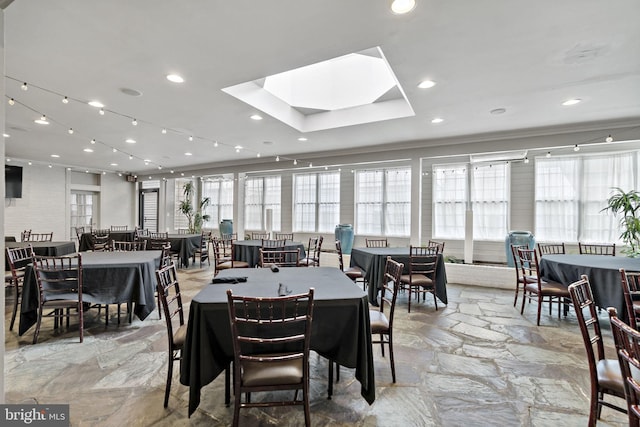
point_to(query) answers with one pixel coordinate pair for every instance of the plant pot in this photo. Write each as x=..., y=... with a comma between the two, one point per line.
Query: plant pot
x=344, y=233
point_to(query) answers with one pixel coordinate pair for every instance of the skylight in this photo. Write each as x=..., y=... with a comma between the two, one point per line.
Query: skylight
x=352, y=89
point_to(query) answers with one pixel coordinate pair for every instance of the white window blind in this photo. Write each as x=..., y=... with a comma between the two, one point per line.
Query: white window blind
x=316, y=201
x=383, y=202
x=490, y=201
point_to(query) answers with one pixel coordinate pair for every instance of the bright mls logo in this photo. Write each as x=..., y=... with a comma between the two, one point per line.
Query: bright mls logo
x=36, y=415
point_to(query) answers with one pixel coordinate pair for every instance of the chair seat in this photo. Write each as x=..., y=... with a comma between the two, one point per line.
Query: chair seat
x=236, y=264
x=272, y=373
x=379, y=322
x=309, y=261
x=354, y=273
x=528, y=279
x=610, y=376
x=549, y=288
x=60, y=303
x=416, y=280
x=179, y=336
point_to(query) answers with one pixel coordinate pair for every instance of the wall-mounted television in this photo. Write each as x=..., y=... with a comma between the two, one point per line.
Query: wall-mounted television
x=12, y=182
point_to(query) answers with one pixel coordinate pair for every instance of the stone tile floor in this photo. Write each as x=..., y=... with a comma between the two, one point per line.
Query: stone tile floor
x=476, y=361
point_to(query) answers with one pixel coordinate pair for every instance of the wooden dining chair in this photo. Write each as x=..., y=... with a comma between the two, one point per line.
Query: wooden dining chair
x=100, y=240
x=284, y=236
x=224, y=263
x=353, y=273
x=202, y=251
x=229, y=236
x=539, y=289
x=631, y=290
x=604, y=373
x=40, y=237
x=627, y=341
x=119, y=227
x=168, y=290
x=260, y=235
x=182, y=231
x=279, y=257
x=422, y=274
x=271, y=338
x=59, y=282
x=376, y=243
x=436, y=247
x=136, y=245
x=597, y=249
x=24, y=235
x=520, y=279
x=313, y=253
x=550, y=248
x=18, y=259
x=157, y=240
x=140, y=233
x=274, y=244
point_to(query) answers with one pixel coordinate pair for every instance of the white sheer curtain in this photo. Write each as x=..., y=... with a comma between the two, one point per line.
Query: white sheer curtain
x=490, y=201
x=383, y=202
x=253, y=197
x=601, y=174
x=304, y=202
x=220, y=193
x=272, y=200
x=328, y=201
x=449, y=200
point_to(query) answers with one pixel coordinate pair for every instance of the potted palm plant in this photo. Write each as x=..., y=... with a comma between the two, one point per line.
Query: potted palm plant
x=194, y=214
x=626, y=205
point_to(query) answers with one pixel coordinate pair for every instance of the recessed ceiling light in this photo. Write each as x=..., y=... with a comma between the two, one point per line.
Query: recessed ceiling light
x=402, y=6
x=573, y=101
x=55, y=156
x=88, y=150
x=96, y=104
x=130, y=92
x=175, y=78
x=497, y=111
x=256, y=117
x=437, y=120
x=6, y=135
x=114, y=164
x=130, y=141
x=302, y=139
x=188, y=154
x=426, y=84
x=267, y=142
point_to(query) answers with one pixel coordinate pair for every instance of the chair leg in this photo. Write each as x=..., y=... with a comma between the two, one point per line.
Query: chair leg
x=330, y=385
x=227, y=387
x=524, y=299
x=515, y=299
x=305, y=398
x=382, y=343
x=81, y=320
x=37, y=331
x=435, y=299
x=393, y=365
x=409, y=303
x=15, y=306
x=540, y=300
x=169, y=375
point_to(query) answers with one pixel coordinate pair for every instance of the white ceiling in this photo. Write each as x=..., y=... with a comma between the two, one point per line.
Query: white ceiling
x=526, y=57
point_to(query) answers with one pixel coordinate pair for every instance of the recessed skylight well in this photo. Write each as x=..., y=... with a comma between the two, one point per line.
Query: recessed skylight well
x=351, y=89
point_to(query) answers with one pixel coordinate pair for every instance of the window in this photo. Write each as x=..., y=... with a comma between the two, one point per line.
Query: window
x=82, y=208
x=572, y=191
x=449, y=200
x=180, y=220
x=488, y=197
x=383, y=202
x=261, y=193
x=220, y=194
x=316, y=199
x=490, y=201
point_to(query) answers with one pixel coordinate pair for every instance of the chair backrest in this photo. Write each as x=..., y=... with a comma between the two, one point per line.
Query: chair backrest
x=119, y=227
x=423, y=261
x=283, y=236
x=390, y=286
x=24, y=236
x=40, y=237
x=165, y=257
x=274, y=244
x=550, y=248
x=79, y=231
x=141, y=232
x=157, y=240
x=183, y=231
x=225, y=247
x=631, y=291
x=516, y=259
x=528, y=261
x=170, y=299
x=58, y=278
x=266, y=330
x=587, y=315
x=436, y=247
x=259, y=235
x=627, y=342
x=340, y=257
x=101, y=239
x=229, y=236
x=137, y=245
x=280, y=258
x=315, y=247
x=19, y=258
x=376, y=243
x=597, y=249
x=204, y=242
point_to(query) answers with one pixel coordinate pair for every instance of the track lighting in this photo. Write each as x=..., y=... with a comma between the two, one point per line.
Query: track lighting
x=65, y=100
x=12, y=101
x=24, y=86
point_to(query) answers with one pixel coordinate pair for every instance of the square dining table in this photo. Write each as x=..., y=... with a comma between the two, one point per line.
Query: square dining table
x=249, y=250
x=43, y=248
x=107, y=278
x=340, y=329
